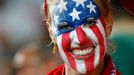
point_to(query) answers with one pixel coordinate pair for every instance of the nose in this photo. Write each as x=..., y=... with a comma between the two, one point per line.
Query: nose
x=80, y=38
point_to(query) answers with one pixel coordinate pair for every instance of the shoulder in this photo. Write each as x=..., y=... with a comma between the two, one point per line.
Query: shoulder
x=58, y=70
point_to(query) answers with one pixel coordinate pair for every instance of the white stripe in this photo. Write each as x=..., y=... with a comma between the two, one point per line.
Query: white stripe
x=59, y=43
x=91, y=35
x=74, y=40
x=80, y=66
x=101, y=28
x=97, y=56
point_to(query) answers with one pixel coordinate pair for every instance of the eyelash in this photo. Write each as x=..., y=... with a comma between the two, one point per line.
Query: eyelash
x=65, y=26
x=90, y=22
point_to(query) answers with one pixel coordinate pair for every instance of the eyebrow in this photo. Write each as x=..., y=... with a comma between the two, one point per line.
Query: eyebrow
x=62, y=24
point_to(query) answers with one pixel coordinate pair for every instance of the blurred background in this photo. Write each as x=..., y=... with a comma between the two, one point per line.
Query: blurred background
x=24, y=40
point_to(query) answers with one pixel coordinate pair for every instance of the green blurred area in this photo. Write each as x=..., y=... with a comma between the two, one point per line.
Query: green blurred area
x=123, y=57
x=123, y=39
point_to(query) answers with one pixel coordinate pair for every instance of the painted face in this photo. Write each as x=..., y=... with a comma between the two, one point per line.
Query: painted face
x=80, y=33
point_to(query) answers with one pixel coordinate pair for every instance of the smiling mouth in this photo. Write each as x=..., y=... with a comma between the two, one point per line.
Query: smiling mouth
x=85, y=53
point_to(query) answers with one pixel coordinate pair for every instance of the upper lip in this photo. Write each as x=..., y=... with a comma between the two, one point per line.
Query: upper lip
x=83, y=47
x=82, y=53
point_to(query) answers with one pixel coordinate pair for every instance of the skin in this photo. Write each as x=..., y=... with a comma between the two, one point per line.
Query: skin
x=84, y=35
x=70, y=71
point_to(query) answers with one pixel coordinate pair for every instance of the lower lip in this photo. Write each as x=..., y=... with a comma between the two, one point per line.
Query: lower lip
x=83, y=56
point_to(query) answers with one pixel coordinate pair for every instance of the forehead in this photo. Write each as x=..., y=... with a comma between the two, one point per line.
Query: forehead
x=74, y=11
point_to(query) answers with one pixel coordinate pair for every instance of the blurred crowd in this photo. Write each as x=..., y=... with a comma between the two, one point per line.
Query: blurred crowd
x=24, y=39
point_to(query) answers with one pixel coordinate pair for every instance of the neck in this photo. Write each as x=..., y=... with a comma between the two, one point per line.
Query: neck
x=97, y=71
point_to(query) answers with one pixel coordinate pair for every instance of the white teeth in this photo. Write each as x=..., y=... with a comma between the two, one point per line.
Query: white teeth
x=82, y=52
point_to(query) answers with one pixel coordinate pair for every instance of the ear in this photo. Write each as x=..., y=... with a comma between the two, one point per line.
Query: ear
x=50, y=31
x=108, y=16
x=109, y=23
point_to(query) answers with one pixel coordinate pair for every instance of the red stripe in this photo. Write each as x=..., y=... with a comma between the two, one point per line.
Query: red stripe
x=103, y=22
x=104, y=25
x=84, y=40
x=66, y=43
x=45, y=8
x=90, y=63
x=100, y=38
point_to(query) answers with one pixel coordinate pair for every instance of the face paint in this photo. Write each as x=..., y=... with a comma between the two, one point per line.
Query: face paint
x=80, y=32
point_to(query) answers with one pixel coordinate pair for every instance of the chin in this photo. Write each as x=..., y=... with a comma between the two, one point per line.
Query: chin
x=85, y=60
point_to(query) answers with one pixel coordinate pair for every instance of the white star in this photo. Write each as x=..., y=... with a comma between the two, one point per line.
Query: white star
x=75, y=14
x=56, y=18
x=91, y=7
x=78, y=2
x=62, y=6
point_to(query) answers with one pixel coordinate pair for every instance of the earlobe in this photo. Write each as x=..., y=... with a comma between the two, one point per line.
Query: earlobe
x=46, y=23
x=54, y=48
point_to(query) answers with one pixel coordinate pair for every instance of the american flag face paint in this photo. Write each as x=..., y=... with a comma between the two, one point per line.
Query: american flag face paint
x=80, y=33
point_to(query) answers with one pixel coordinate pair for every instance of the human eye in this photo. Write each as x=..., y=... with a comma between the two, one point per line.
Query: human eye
x=90, y=21
x=64, y=26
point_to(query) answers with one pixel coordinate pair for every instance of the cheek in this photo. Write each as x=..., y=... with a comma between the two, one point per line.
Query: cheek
x=63, y=43
x=100, y=32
